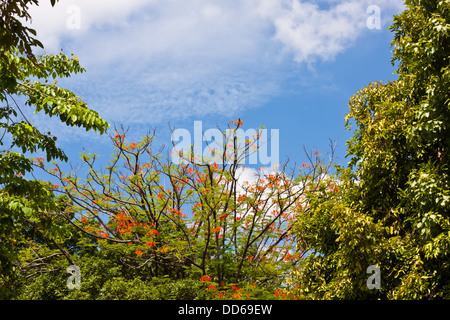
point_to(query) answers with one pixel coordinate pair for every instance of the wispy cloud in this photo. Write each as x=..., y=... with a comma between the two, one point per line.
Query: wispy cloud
x=150, y=61
x=321, y=29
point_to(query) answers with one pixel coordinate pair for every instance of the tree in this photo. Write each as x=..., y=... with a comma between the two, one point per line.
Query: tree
x=28, y=206
x=14, y=35
x=393, y=201
x=191, y=221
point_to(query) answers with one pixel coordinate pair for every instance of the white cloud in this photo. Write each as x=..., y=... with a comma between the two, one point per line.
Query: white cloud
x=310, y=32
x=166, y=60
x=151, y=61
x=52, y=22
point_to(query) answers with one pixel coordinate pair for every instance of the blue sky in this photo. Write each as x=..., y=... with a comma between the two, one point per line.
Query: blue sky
x=290, y=65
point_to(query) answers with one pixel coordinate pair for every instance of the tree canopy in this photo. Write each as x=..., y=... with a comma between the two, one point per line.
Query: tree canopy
x=26, y=205
x=392, y=208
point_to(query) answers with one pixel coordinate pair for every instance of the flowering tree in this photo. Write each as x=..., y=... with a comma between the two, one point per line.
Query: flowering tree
x=195, y=219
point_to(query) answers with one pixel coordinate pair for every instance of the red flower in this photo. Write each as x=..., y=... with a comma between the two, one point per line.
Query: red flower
x=133, y=145
x=239, y=123
x=138, y=252
x=216, y=230
x=150, y=244
x=235, y=288
x=205, y=278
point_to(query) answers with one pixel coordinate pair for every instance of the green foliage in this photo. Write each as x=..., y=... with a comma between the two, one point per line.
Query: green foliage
x=28, y=204
x=103, y=277
x=392, y=208
x=14, y=35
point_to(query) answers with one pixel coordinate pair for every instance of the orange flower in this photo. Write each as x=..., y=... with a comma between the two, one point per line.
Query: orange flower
x=150, y=244
x=216, y=230
x=205, y=278
x=155, y=232
x=236, y=295
x=239, y=122
x=288, y=257
x=138, y=252
x=242, y=197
